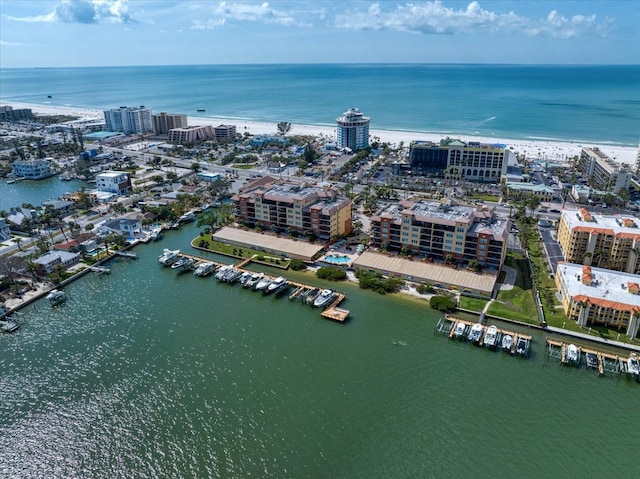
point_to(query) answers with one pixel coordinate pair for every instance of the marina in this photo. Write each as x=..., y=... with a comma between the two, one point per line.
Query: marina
x=484, y=335
x=277, y=285
x=579, y=356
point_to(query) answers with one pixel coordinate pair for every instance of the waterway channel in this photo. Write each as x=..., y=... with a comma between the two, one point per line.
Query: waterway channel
x=146, y=373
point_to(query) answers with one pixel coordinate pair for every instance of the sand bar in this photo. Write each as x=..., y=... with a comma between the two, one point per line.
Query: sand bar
x=534, y=149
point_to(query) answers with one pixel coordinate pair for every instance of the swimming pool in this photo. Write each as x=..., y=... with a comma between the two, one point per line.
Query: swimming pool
x=337, y=259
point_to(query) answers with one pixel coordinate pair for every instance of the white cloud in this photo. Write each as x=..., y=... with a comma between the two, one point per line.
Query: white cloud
x=248, y=12
x=12, y=44
x=436, y=18
x=84, y=11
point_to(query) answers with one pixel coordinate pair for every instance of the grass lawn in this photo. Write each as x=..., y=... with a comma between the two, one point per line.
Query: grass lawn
x=487, y=197
x=209, y=244
x=516, y=303
x=472, y=304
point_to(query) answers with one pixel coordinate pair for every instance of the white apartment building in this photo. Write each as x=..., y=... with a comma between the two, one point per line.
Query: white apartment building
x=352, y=130
x=32, y=169
x=116, y=182
x=603, y=172
x=129, y=119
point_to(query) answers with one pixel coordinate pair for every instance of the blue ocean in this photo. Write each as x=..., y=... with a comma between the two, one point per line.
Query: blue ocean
x=597, y=104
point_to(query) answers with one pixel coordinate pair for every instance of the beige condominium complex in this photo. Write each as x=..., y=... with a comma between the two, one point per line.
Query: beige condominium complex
x=443, y=232
x=603, y=172
x=611, y=242
x=294, y=207
x=164, y=122
x=598, y=296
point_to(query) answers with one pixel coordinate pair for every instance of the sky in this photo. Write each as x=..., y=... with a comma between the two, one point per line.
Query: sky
x=58, y=33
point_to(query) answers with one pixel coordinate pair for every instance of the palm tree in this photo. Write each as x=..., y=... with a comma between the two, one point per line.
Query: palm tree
x=284, y=127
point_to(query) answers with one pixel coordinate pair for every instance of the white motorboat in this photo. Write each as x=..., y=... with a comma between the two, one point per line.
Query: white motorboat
x=244, y=277
x=232, y=275
x=476, y=333
x=572, y=353
x=182, y=263
x=204, y=269
x=459, y=329
x=168, y=257
x=522, y=346
x=633, y=365
x=277, y=285
x=507, y=342
x=220, y=274
x=491, y=336
x=324, y=298
x=156, y=233
x=188, y=216
x=254, y=280
x=56, y=297
x=263, y=284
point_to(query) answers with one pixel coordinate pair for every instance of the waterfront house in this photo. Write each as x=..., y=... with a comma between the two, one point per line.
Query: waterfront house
x=127, y=227
x=116, y=182
x=51, y=259
x=32, y=169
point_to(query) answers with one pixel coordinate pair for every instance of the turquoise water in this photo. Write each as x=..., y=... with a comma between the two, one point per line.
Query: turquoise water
x=36, y=192
x=147, y=373
x=584, y=103
x=337, y=259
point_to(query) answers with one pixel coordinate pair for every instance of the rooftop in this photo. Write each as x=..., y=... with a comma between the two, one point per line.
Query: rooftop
x=529, y=187
x=600, y=286
x=617, y=225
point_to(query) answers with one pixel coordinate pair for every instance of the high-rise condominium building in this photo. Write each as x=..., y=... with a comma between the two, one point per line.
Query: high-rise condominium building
x=129, y=119
x=164, y=122
x=452, y=158
x=353, y=130
x=603, y=172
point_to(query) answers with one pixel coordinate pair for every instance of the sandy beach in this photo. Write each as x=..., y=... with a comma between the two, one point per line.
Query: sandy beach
x=533, y=149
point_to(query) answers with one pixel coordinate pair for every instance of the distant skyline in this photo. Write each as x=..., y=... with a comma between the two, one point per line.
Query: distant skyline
x=59, y=33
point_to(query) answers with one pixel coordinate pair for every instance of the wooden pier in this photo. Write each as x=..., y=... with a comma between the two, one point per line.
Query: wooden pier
x=606, y=362
x=127, y=254
x=447, y=326
x=332, y=312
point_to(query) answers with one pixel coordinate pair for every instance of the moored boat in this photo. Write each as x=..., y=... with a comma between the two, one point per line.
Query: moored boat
x=573, y=355
x=324, y=298
x=633, y=365
x=168, y=257
x=56, y=297
x=232, y=275
x=222, y=271
x=183, y=263
x=204, y=269
x=522, y=346
x=244, y=277
x=277, y=285
x=263, y=284
x=476, y=333
x=254, y=280
x=592, y=360
x=507, y=342
x=491, y=336
x=312, y=295
x=188, y=216
x=459, y=329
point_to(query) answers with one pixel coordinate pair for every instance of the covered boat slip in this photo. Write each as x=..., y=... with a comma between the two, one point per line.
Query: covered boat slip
x=603, y=361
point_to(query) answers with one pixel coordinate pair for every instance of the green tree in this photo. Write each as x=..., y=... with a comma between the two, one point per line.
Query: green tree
x=284, y=127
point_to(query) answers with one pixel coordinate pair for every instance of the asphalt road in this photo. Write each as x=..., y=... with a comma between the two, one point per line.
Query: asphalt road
x=554, y=252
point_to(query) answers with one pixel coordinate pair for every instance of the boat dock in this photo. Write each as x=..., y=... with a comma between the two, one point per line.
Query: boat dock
x=100, y=269
x=127, y=254
x=606, y=361
x=301, y=290
x=447, y=326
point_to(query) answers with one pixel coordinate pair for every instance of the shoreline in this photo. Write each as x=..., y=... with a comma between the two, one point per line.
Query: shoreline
x=534, y=149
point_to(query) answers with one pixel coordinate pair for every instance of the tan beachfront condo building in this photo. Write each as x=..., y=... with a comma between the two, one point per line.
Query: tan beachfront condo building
x=283, y=206
x=599, y=296
x=611, y=242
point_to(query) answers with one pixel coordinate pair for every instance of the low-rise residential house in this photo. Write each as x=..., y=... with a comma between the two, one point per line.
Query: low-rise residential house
x=127, y=227
x=5, y=232
x=48, y=261
x=580, y=193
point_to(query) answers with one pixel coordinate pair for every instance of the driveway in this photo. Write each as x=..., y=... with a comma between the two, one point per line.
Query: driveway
x=552, y=248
